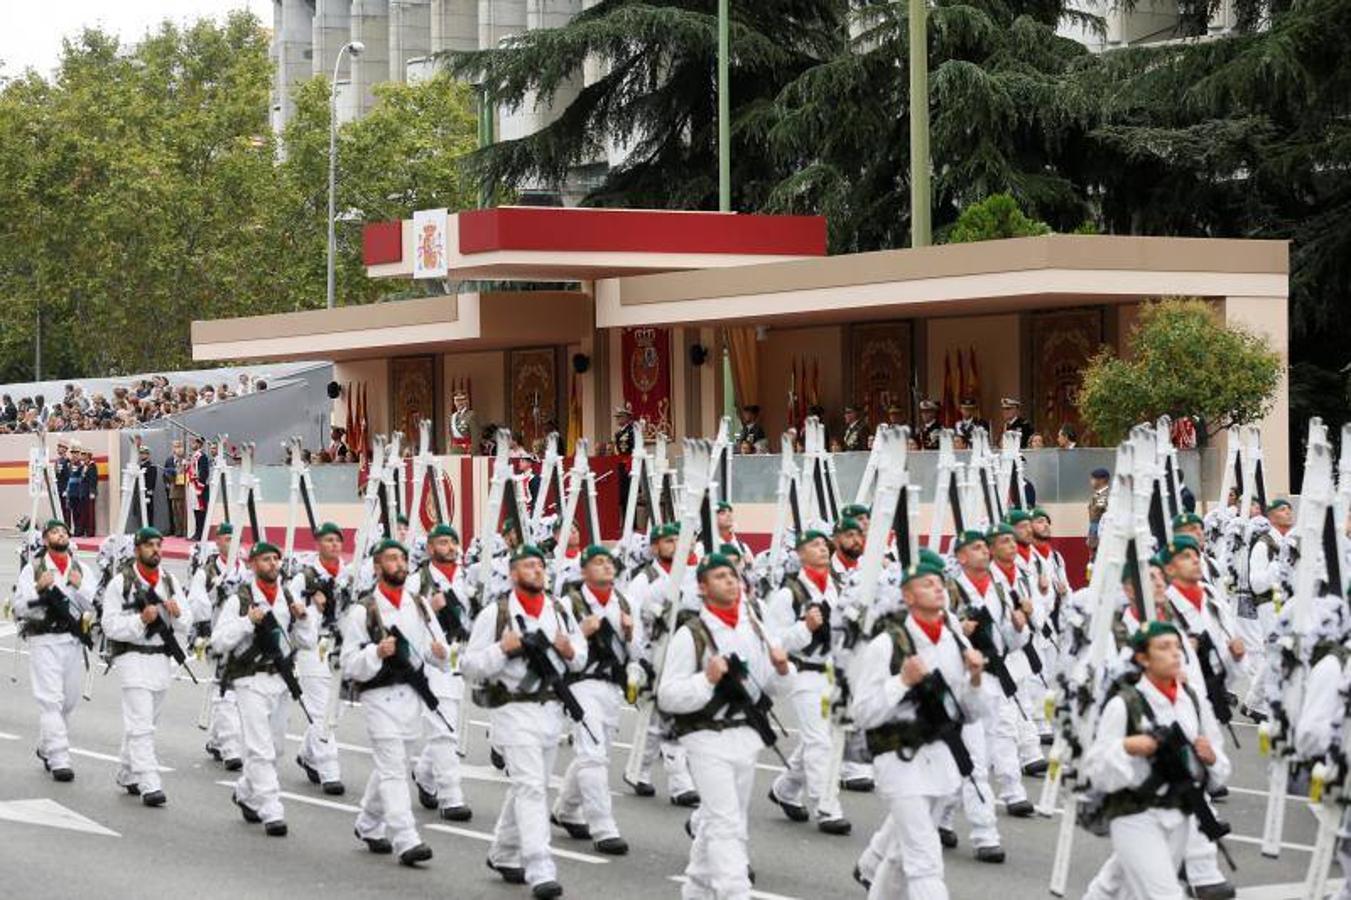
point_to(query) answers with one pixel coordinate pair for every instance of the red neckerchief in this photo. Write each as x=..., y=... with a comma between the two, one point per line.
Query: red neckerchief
x=1195, y=593
x=1010, y=571
x=151, y=576
x=818, y=577
x=572, y=552
x=1024, y=551
x=980, y=581
x=393, y=594
x=270, y=592
x=61, y=560
x=602, y=595
x=1169, y=690
x=446, y=569
x=727, y=616
x=533, y=604
x=665, y=565
x=726, y=537
x=1043, y=550
x=692, y=559
x=933, y=630
x=846, y=561
x=333, y=569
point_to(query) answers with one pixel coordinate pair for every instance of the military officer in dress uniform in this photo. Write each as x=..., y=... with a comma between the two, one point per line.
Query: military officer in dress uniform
x=1012, y=409
x=752, y=432
x=623, y=448
x=929, y=426
x=969, y=422
x=855, y=430
x=461, y=424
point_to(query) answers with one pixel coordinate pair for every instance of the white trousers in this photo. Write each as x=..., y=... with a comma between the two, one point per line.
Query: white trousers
x=876, y=851
x=264, y=706
x=672, y=757
x=913, y=856
x=223, y=729
x=437, y=768
x=319, y=755
x=809, y=764
x=137, y=764
x=1254, y=633
x=585, y=794
x=521, y=836
x=1002, y=749
x=58, y=668
x=976, y=800
x=1202, y=857
x=1147, y=849
x=392, y=724
x=723, y=766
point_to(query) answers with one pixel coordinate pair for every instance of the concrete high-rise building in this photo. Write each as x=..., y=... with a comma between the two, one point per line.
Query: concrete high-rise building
x=1149, y=22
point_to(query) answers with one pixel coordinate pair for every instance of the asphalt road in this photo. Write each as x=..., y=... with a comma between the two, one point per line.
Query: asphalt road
x=88, y=838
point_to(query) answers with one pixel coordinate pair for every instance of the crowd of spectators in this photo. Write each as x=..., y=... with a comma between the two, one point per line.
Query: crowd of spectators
x=126, y=406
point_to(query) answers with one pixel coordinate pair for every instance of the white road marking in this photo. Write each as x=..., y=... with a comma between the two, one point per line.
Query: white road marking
x=106, y=757
x=6, y=736
x=760, y=895
x=434, y=826
x=50, y=814
x=1294, y=890
x=1244, y=839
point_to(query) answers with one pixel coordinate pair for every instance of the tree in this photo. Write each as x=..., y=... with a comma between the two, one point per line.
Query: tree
x=1182, y=361
x=993, y=218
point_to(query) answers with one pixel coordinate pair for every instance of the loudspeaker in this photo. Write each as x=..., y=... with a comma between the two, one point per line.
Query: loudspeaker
x=698, y=354
x=334, y=390
x=581, y=363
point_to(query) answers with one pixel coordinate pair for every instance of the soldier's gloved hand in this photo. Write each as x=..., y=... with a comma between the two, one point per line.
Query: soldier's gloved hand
x=715, y=668
x=813, y=619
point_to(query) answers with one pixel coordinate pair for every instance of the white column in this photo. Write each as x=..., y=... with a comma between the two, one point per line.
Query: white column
x=332, y=29
x=454, y=25
x=370, y=25
x=410, y=35
x=292, y=35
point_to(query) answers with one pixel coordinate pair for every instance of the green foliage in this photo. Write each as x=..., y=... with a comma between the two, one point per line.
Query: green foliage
x=993, y=218
x=142, y=190
x=1183, y=361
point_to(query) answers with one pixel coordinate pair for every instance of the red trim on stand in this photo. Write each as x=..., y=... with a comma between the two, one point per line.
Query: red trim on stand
x=382, y=242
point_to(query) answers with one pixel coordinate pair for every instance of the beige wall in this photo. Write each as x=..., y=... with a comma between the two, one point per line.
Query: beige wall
x=488, y=370
x=998, y=341
x=778, y=352
x=374, y=373
x=1268, y=316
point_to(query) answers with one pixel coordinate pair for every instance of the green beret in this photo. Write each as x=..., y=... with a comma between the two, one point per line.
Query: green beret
x=724, y=506
x=53, y=523
x=225, y=528
x=595, y=550
x=1150, y=630
x=509, y=523
x=443, y=530
x=326, y=529
x=1129, y=571
x=525, y=551
x=389, y=544
x=919, y=570
x=1278, y=503
x=810, y=535
x=730, y=550
x=996, y=530
x=401, y=519
x=1018, y=515
x=148, y=534
x=854, y=510
x=848, y=523
x=1039, y=513
x=1182, y=520
x=262, y=548
x=714, y=561
x=930, y=558
x=968, y=537
x=669, y=529
x=1179, y=543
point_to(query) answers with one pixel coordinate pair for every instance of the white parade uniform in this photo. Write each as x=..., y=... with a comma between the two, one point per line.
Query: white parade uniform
x=262, y=696
x=1325, y=704
x=856, y=764
x=647, y=592
x=721, y=758
x=585, y=794
x=223, y=733
x=1148, y=846
x=915, y=789
x=1020, y=667
x=316, y=673
x=437, y=768
x=143, y=666
x=1264, y=573
x=810, y=689
x=525, y=732
x=394, y=712
x=55, y=659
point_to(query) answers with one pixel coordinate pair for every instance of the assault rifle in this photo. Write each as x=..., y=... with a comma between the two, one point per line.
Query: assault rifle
x=1176, y=766
x=403, y=670
x=820, y=640
x=982, y=639
x=268, y=642
x=1212, y=673
x=602, y=652
x=60, y=615
x=940, y=716
x=535, y=647
x=731, y=690
x=452, y=626
x=160, y=626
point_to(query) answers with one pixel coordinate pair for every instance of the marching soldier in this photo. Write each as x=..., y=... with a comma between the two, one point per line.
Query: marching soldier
x=798, y=617
x=53, y=604
x=1012, y=409
x=968, y=422
x=1148, y=831
x=723, y=642
x=1008, y=541
x=318, y=584
x=206, y=593
x=144, y=615
x=258, y=632
x=444, y=587
x=916, y=669
x=526, y=716
x=726, y=524
x=856, y=431
x=929, y=426
x=1270, y=560
x=387, y=643
x=614, y=637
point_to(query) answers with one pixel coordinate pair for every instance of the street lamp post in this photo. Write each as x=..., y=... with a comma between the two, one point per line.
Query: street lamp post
x=724, y=112
x=920, y=202
x=355, y=47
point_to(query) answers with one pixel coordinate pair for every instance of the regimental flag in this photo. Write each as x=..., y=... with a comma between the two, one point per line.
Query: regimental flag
x=574, y=415
x=973, y=386
x=963, y=388
x=816, y=382
x=948, y=413
x=349, y=422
